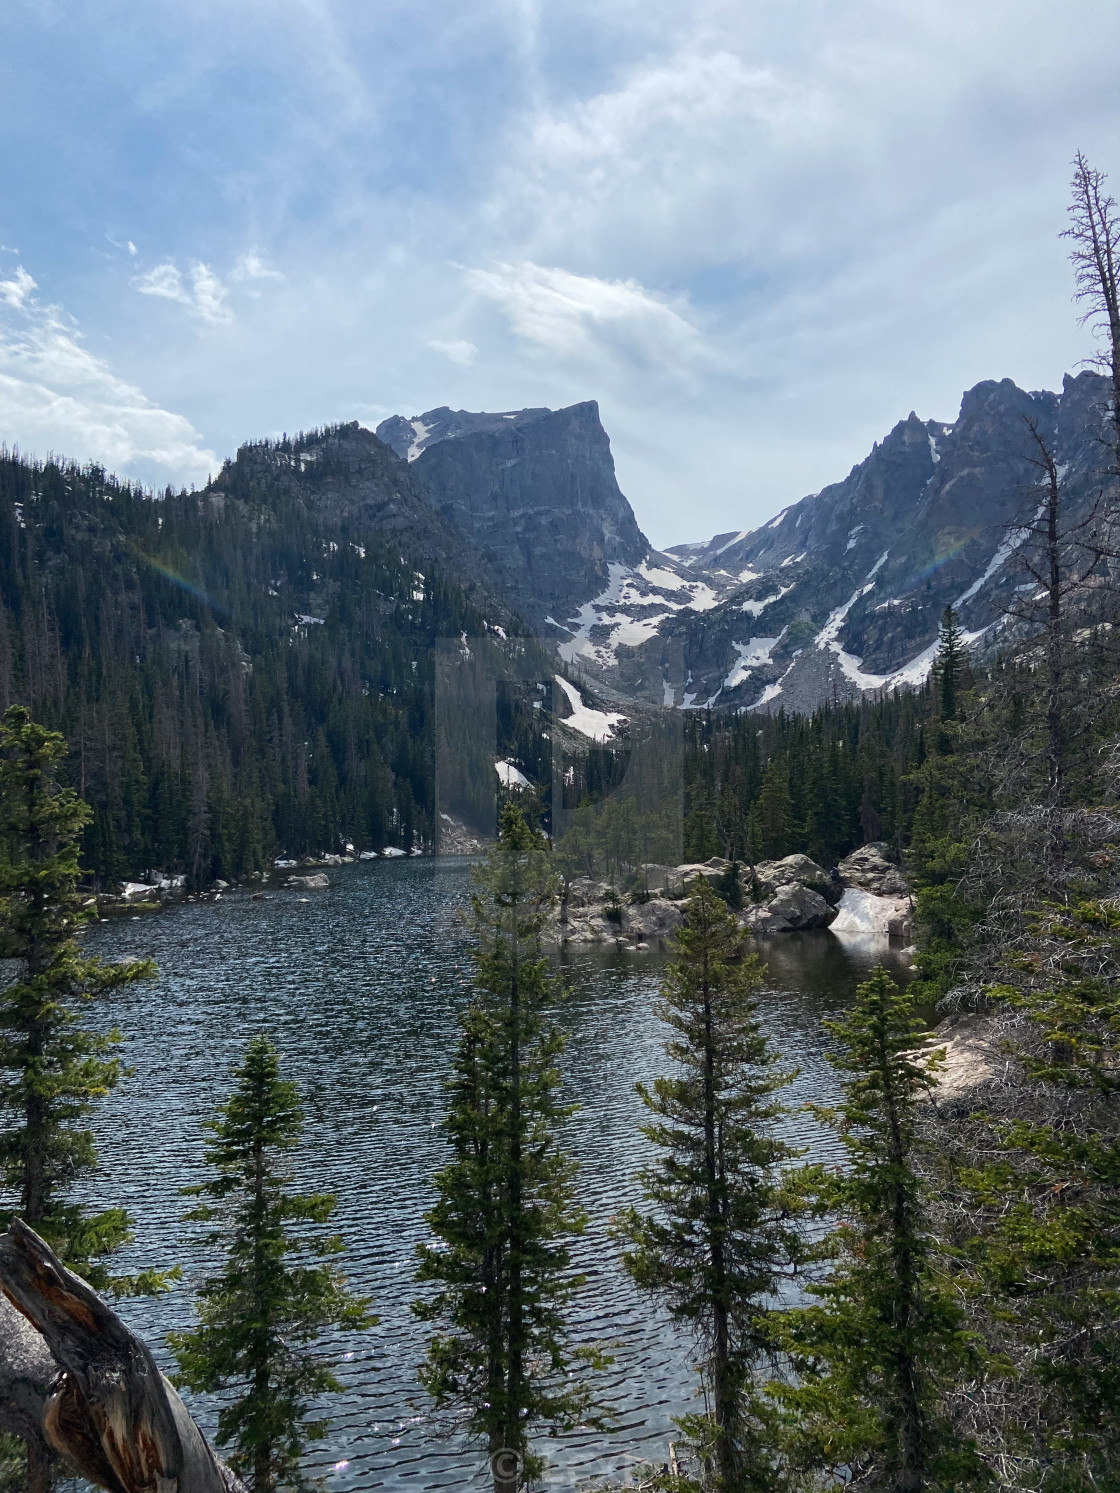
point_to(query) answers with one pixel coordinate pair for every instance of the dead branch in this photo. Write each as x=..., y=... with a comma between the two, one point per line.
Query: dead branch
x=108, y=1409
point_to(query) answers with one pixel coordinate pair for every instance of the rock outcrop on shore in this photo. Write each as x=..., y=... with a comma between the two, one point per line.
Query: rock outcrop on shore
x=792, y=909
x=871, y=870
x=866, y=898
x=771, y=877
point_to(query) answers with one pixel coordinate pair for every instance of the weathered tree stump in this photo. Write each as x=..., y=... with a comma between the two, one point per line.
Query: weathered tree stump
x=103, y=1406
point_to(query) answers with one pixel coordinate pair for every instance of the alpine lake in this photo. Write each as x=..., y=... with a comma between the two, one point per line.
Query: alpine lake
x=359, y=986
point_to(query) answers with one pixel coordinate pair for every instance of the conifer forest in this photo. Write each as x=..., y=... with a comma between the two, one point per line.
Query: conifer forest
x=904, y=1279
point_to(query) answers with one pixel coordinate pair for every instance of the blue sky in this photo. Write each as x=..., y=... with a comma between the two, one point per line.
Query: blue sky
x=758, y=234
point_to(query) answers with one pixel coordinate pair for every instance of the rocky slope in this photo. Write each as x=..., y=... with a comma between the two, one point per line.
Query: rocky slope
x=841, y=594
x=838, y=596
x=865, y=900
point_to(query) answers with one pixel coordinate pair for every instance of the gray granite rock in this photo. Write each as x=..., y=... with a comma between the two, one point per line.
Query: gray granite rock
x=792, y=909
x=796, y=870
x=653, y=920
x=871, y=869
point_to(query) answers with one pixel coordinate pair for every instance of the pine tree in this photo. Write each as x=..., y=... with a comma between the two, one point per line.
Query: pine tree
x=1037, y=1209
x=948, y=666
x=717, y=1235
x=774, y=811
x=500, y=1361
x=278, y=1291
x=53, y=1070
x=874, y=1359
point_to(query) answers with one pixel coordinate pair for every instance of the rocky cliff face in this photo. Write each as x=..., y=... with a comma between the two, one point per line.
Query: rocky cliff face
x=535, y=495
x=838, y=596
x=409, y=438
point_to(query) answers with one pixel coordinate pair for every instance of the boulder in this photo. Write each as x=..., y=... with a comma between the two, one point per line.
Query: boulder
x=712, y=869
x=656, y=919
x=796, y=870
x=313, y=883
x=865, y=917
x=870, y=869
x=139, y=891
x=584, y=892
x=901, y=926
x=792, y=909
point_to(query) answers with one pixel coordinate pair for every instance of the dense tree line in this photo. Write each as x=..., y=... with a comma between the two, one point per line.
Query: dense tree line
x=957, y=1323
x=209, y=726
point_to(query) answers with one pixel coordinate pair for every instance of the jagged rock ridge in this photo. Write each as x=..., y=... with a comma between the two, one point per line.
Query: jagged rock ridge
x=840, y=594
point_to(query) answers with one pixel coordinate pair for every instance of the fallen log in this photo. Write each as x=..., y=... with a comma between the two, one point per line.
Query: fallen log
x=107, y=1408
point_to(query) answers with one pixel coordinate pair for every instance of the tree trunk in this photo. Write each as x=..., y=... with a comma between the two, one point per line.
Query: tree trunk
x=908, y=1473
x=724, y=1406
x=516, y=1346
x=1054, y=638
x=505, y=1468
x=107, y=1409
x=26, y=1373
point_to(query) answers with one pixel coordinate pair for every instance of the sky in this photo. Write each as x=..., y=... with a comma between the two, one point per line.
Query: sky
x=758, y=234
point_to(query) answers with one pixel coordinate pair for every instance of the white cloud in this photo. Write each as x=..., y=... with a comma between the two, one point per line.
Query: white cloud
x=14, y=292
x=252, y=267
x=200, y=290
x=465, y=354
x=812, y=218
x=55, y=396
x=575, y=316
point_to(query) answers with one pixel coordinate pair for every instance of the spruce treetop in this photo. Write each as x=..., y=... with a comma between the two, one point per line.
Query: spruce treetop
x=261, y=1315
x=52, y=1070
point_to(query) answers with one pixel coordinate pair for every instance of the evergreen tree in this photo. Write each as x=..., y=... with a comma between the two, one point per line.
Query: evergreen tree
x=501, y=1362
x=874, y=1359
x=278, y=1291
x=948, y=666
x=717, y=1234
x=728, y=887
x=1033, y=1190
x=775, y=812
x=53, y=1070
x=14, y=1473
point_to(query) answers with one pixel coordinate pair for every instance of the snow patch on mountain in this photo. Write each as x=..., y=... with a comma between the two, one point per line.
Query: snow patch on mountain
x=751, y=654
x=630, y=610
x=755, y=608
x=510, y=775
x=742, y=534
x=1010, y=543
x=598, y=725
x=913, y=673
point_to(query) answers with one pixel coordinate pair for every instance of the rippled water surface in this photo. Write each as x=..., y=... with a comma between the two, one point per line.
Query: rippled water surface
x=359, y=987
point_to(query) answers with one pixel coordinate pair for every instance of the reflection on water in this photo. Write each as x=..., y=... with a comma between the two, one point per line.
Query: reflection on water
x=360, y=987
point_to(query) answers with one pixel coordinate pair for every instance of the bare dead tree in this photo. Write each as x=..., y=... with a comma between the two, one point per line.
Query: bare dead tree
x=1060, y=553
x=1094, y=232
x=81, y=1389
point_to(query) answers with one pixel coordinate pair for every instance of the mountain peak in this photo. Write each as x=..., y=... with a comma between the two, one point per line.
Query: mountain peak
x=409, y=436
x=534, y=490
